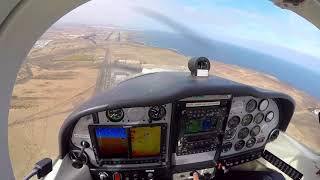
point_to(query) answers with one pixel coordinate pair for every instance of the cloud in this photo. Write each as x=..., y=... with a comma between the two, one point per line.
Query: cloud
x=245, y=23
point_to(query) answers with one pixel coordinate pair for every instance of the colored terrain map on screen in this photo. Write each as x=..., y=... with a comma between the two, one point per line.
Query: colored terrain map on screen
x=145, y=141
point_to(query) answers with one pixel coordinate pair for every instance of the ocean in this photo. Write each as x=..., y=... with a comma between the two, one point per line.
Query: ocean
x=298, y=76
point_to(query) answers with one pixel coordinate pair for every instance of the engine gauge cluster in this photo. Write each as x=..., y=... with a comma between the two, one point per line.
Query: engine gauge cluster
x=251, y=120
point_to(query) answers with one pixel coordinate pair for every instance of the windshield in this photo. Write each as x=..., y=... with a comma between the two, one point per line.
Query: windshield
x=95, y=47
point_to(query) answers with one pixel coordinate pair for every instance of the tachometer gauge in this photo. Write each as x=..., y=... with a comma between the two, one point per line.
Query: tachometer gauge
x=263, y=105
x=115, y=115
x=230, y=134
x=243, y=133
x=251, y=106
x=239, y=145
x=269, y=116
x=255, y=131
x=226, y=147
x=234, y=122
x=251, y=142
x=259, y=118
x=157, y=112
x=246, y=120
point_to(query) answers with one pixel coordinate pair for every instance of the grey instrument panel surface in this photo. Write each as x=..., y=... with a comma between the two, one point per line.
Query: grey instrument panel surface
x=238, y=108
x=139, y=115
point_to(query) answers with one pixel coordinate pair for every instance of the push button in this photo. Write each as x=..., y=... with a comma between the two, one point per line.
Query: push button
x=116, y=176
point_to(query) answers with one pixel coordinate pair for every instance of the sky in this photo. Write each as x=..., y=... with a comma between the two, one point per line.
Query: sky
x=256, y=24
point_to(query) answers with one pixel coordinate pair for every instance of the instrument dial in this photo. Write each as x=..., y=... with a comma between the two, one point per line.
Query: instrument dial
x=156, y=113
x=230, y=133
x=269, y=116
x=251, y=106
x=243, y=133
x=239, y=145
x=246, y=120
x=234, y=122
x=259, y=118
x=263, y=105
x=255, y=130
x=251, y=142
x=226, y=147
x=274, y=135
x=115, y=115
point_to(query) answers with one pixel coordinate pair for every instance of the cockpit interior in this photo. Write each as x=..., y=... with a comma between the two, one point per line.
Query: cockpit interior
x=181, y=123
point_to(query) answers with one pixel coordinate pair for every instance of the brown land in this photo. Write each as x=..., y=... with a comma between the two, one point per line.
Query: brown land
x=61, y=74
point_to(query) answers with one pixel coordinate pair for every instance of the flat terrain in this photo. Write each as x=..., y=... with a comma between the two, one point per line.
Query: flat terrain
x=69, y=65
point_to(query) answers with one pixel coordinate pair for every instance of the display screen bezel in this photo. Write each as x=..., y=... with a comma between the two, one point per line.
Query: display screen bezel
x=100, y=158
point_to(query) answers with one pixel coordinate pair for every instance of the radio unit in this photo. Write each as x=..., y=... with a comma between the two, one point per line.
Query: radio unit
x=201, y=124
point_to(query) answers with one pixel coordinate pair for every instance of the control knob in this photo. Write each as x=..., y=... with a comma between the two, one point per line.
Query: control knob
x=104, y=176
x=150, y=176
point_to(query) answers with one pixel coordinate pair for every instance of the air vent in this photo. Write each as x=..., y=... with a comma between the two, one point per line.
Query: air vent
x=273, y=135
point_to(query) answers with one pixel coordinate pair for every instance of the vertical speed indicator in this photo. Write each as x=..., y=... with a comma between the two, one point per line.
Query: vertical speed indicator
x=157, y=112
x=115, y=115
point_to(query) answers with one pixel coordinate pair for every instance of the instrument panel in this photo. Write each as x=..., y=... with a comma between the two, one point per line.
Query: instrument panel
x=249, y=125
x=200, y=129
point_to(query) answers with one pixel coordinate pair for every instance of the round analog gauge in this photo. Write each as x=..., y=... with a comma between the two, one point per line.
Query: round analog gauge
x=251, y=106
x=239, y=145
x=157, y=112
x=251, y=142
x=230, y=133
x=234, y=122
x=263, y=105
x=259, y=118
x=226, y=147
x=115, y=115
x=255, y=131
x=246, y=120
x=243, y=133
x=269, y=116
x=274, y=135
x=136, y=114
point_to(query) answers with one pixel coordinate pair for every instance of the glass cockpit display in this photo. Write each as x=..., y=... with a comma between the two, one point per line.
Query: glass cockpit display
x=201, y=120
x=145, y=141
x=129, y=142
x=200, y=125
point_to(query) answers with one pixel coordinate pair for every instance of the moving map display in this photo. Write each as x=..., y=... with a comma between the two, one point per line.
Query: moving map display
x=145, y=141
x=128, y=143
